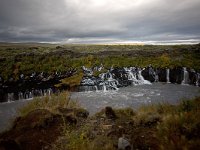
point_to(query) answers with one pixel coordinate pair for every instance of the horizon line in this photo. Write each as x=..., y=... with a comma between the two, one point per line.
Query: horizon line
x=164, y=42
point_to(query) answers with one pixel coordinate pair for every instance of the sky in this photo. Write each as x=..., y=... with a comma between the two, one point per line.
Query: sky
x=100, y=21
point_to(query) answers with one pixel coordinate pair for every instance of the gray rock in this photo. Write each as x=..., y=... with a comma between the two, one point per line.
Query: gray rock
x=123, y=144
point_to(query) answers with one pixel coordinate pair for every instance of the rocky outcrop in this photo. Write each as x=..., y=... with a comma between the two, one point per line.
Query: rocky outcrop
x=114, y=78
x=35, y=84
x=96, y=78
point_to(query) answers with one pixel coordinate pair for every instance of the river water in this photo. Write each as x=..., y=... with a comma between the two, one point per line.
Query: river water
x=131, y=96
x=135, y=96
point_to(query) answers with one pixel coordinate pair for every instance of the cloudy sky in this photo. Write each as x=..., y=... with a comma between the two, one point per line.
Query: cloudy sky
x=99, y=21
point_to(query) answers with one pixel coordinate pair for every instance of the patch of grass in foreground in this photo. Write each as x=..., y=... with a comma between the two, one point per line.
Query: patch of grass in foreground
x=160, y=126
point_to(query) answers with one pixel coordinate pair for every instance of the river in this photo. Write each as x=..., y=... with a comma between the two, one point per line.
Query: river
x=130, y=96
x=135, y=96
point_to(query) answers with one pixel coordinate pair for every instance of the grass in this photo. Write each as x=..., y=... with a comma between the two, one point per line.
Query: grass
x=50, y=103
x=180, y=129
x=72, y=81
x=158, y=126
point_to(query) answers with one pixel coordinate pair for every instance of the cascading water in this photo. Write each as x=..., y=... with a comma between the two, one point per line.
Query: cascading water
x=20, y=95
x=197, y=79
x=141, y=78
x=112, y=79
x=135, y=76
x=115, y=78
x=156, y=78
x=28, y=94
x=108, y=81
x=132, y=75
x=104, y=88
x=167, y=75
x=96, y=88
x=10, y=97
x=185, y=76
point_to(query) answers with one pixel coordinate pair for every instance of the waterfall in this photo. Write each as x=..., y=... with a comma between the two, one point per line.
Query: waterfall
x=20, y=95
x=112, y=84
x=96, y=88
x=87, y=81
x=102, y=76
x=104, y=88
x=131, y=74
x=108, y=81
x=25, y=95
x=185, y=76
x=87, y=71
x=100, y=68
x=156, y=77
x=10, y=97
x=153, y=73
x=45, y=92
x=167, y=75
x=136, y=76
x=49, y=91
x=141, y=78
x=30, y=95
x=197, y=79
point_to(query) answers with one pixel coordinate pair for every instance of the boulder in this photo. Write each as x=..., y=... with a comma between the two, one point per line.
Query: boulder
x=110, y=114
x=123, y=144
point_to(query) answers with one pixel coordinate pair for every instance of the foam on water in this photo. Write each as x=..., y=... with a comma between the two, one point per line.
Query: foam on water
x=135, y=96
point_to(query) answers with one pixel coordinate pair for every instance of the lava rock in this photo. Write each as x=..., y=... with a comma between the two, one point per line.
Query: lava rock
x=162, y=75
x=110, y=114
x=176, y=75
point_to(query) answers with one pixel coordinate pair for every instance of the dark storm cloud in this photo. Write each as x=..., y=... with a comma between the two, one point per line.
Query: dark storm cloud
x=99, y=20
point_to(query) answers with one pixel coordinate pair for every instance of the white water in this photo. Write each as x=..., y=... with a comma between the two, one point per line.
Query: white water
x=197, y=79
x=141, y=79
x=185, y=76
x=135, y=96
x=10, y=97
x=108, y=81
x=167, y=75
x=136, y=77
x=29, y=94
